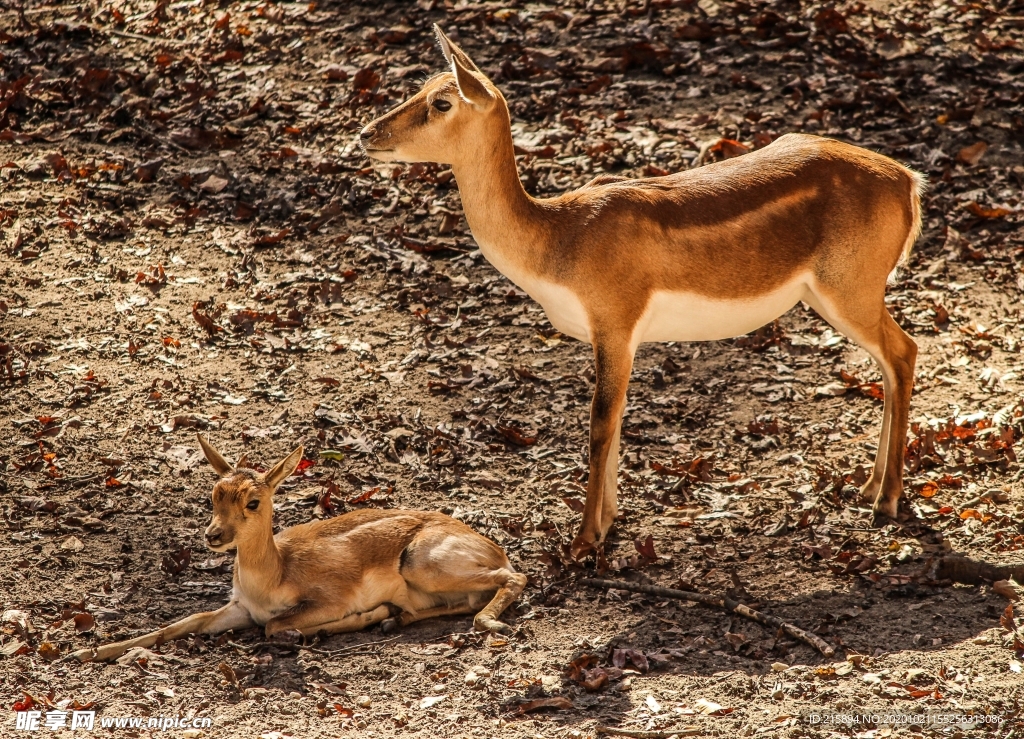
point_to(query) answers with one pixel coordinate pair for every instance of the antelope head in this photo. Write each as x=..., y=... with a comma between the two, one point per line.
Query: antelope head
x=243, y=507
x=445, y=122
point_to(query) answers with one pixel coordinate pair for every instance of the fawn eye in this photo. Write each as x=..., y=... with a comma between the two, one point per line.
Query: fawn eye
x=252, y=505
x=442, y=105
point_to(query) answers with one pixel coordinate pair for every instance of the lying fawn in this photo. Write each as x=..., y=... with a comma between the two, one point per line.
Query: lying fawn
x=705, y=254
x=340, y=574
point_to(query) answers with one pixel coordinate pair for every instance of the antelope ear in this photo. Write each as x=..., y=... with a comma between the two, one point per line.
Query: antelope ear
x=451, y=50
x=444, y=43
x=283, y=469
x=471, y=88
x=467, y=74
x=219, y=464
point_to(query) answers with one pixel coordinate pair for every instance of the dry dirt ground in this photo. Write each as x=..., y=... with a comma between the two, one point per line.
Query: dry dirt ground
x=191, y=241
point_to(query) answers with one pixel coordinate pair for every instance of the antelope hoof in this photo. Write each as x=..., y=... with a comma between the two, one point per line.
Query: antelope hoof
x=883, y=512
x=486, y=623
x=582, y=546
x=869, y=494
x=388, y=625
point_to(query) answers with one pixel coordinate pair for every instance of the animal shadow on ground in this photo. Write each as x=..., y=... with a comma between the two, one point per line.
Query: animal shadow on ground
x=895, y=631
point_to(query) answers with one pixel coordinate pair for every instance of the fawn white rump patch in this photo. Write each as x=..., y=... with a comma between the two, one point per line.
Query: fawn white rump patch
x=686, y=316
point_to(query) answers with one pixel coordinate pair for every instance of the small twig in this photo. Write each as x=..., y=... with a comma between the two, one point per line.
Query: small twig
x=350, y=648
x=639, y=734
x=46, y=9
x=544, y=589
x=329, y=653
x=81, y=480
x=136, y=36
x=723, y=602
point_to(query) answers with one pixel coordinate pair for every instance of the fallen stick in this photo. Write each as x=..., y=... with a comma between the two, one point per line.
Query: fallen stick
x=724, y=603
x=969, y=571
x=351, y=649
x=134, y=36
x=643, y=734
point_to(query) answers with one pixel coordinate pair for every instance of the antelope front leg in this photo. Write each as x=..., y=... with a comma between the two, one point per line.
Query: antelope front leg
x=231, y=616
x=613, y=361
x=310, y=621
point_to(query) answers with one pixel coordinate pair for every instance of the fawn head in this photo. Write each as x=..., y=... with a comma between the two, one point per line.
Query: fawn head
x=243, y=505
x=445, y=121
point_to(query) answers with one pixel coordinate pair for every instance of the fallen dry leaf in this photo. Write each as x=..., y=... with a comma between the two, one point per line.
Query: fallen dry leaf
x=972, y=154
x=48, y=651
x=1006, y=589
x=560, y=703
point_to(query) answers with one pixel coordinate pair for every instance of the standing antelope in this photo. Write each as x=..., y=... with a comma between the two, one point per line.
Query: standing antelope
x=339, y=574
x=705, y=254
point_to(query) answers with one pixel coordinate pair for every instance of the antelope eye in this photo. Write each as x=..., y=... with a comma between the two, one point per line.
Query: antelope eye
x=442, y=105
x=252, y=505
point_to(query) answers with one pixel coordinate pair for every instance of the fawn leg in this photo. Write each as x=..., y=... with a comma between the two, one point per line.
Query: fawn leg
x=310, y=621
x=410, y=617
x=511, y=587
x=231, y=616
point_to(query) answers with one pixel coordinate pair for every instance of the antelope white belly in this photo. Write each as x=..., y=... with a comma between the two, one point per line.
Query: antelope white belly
x=683, y=316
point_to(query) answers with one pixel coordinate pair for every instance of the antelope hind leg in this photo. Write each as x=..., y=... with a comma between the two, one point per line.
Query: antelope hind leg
x=509, y=587
x=900, y=356
x=895, y=353
x=869, y=490
x=448, y=575
x=870, y=325
x=231, y=616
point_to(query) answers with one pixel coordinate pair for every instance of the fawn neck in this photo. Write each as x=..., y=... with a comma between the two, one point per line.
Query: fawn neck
x=506, y=222
x=258, y=559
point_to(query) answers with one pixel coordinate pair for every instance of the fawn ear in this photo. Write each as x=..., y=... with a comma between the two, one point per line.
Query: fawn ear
x=283, y=469
x=219, y=464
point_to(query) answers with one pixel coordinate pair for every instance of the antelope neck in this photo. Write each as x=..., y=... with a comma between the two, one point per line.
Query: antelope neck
x=506, y=222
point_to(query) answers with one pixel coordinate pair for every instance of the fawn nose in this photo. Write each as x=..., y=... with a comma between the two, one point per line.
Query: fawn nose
x=367, y=133
x=213, y=536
